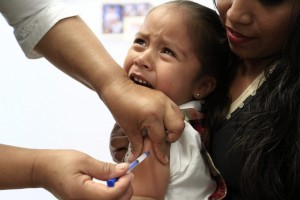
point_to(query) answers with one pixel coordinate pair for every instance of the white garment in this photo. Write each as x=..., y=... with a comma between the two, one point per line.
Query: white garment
x=189, y=176
x=32, y=19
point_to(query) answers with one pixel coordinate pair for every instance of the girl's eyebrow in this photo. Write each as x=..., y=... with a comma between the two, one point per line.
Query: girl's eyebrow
x=166, y=41
x=142, y=34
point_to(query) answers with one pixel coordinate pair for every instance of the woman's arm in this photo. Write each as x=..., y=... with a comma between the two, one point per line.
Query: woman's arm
x=72, y=47
x=66, y=41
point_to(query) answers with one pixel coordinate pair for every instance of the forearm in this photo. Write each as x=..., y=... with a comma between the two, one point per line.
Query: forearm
x=16, y=165
x=72, y=47
x=80, y=54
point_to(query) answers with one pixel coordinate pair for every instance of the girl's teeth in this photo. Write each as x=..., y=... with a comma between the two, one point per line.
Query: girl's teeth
x=141, y=81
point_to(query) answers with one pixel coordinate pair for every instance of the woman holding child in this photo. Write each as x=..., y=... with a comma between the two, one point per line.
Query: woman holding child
x=256, y=147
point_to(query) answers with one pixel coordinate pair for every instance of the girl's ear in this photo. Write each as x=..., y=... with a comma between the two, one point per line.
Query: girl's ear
x=204, y=87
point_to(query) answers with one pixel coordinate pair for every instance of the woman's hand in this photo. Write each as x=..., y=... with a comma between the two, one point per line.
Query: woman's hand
x=69, y=175
x=137, y=109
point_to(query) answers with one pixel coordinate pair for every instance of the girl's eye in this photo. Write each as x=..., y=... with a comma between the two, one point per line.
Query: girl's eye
x=139, y=41
x=168, y=52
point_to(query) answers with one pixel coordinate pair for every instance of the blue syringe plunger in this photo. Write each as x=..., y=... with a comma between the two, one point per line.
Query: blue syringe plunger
x=111, y=182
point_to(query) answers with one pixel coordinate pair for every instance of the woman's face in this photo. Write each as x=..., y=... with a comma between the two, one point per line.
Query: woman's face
x=257, y=28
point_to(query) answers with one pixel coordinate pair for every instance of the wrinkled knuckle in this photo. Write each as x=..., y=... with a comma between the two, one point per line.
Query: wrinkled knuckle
x=106, y=168
x=133, y=148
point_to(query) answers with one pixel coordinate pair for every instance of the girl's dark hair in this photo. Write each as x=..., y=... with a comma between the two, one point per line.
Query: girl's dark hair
x=268, y=135
x=210, y=42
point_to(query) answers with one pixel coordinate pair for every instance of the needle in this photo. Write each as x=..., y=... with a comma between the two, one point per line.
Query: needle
x=111, y=182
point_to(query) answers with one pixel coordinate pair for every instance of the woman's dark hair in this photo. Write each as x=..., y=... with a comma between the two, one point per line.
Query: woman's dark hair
x=269, y=134
x=272, y=153
x=210, y=41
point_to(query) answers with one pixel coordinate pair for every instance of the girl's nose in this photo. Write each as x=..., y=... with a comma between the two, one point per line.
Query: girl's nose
x=139, y=63
x=144, y=60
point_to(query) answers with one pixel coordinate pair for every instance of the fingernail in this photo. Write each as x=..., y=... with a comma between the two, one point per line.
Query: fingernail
x=121, y=165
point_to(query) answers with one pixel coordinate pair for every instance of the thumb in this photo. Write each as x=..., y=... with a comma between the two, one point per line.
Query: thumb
x=104, y=171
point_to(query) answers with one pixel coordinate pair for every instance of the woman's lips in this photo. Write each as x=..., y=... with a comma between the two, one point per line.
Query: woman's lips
x=237, y=38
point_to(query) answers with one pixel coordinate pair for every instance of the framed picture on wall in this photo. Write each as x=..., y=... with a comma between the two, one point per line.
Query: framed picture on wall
x=112, y=18
x=123, y=18
x=136, y=9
